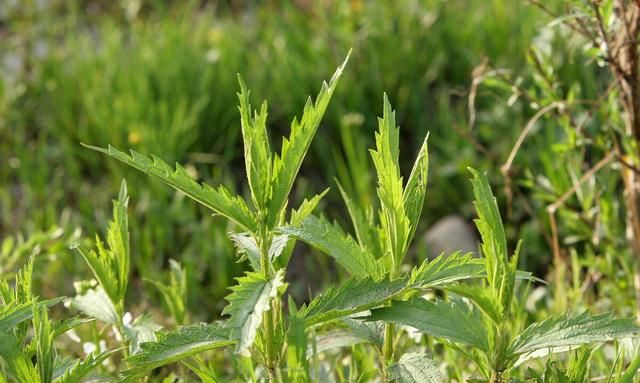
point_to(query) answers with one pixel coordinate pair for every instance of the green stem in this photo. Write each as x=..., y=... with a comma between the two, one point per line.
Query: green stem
x=389, y=334
x=271, y=352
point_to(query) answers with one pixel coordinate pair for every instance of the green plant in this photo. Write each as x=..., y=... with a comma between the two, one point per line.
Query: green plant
x=255, y=302
x=487, y=326
x=257, y=324
x=104, y=298
x=31, y=357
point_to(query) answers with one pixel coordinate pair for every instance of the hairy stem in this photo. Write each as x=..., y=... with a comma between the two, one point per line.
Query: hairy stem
x=270, y=336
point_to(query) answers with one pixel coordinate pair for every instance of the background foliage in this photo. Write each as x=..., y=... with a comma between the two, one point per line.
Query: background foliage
x=160, y=78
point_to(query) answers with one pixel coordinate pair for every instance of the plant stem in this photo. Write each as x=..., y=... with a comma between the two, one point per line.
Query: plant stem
x=265, y=264
x=389, y=333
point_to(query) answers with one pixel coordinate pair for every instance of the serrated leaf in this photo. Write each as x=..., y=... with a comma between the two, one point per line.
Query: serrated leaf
x=393, y=218
x=331, y=240
x=257, y=155
x=43, y=340
x=561, y=333
x=287, y=164
x=306, y=208
x=454, y=321
x=249, y=300
x=371, y=331
x=76, y=371
x=482, y=297
x=446, y=269
x=247, y=248
x=415, y=367
x=110, y=264
x=176, y=345
x=297, y=365
x=13, y=314
x=218, y=199
x=18, y=363
x=278, y=244
x=95, y=303
x=416, y=189
x=500, y=271
x=353, y=296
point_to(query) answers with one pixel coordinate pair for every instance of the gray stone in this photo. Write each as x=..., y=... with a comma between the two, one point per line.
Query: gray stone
x=450, y=234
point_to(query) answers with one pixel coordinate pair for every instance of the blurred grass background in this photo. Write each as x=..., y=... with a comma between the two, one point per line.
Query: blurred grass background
x=160, y=77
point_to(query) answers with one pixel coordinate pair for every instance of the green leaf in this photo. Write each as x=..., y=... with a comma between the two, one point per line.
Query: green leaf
x=43, y=337
x=415, y=367
x=447, y=269
x=95, y=303
x=564, y=332
x=257, y=155
x=454, y=321
x=13, y=314
x=353, y=296
x=219, y=199
x=249, y=300
x=297, y=365
x=331, y=240
x=247, y=247
x=76, y=371
x=393, y=219
x=18, y=362
x=482, y=297
x=306, y=208
x=500, y=272
x=416, y=189
x=176, y=345
x=110, y=265
x=371, y=331
x=287, y=164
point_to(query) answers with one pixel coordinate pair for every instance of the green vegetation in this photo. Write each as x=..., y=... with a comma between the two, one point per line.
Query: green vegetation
x=306, y=258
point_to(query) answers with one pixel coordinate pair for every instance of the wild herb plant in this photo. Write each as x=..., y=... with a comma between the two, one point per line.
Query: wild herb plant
x=104, y=297
x=256, y=323
x=375, y=257
x=27, y=337
x=281, y=343
x=483, y=328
